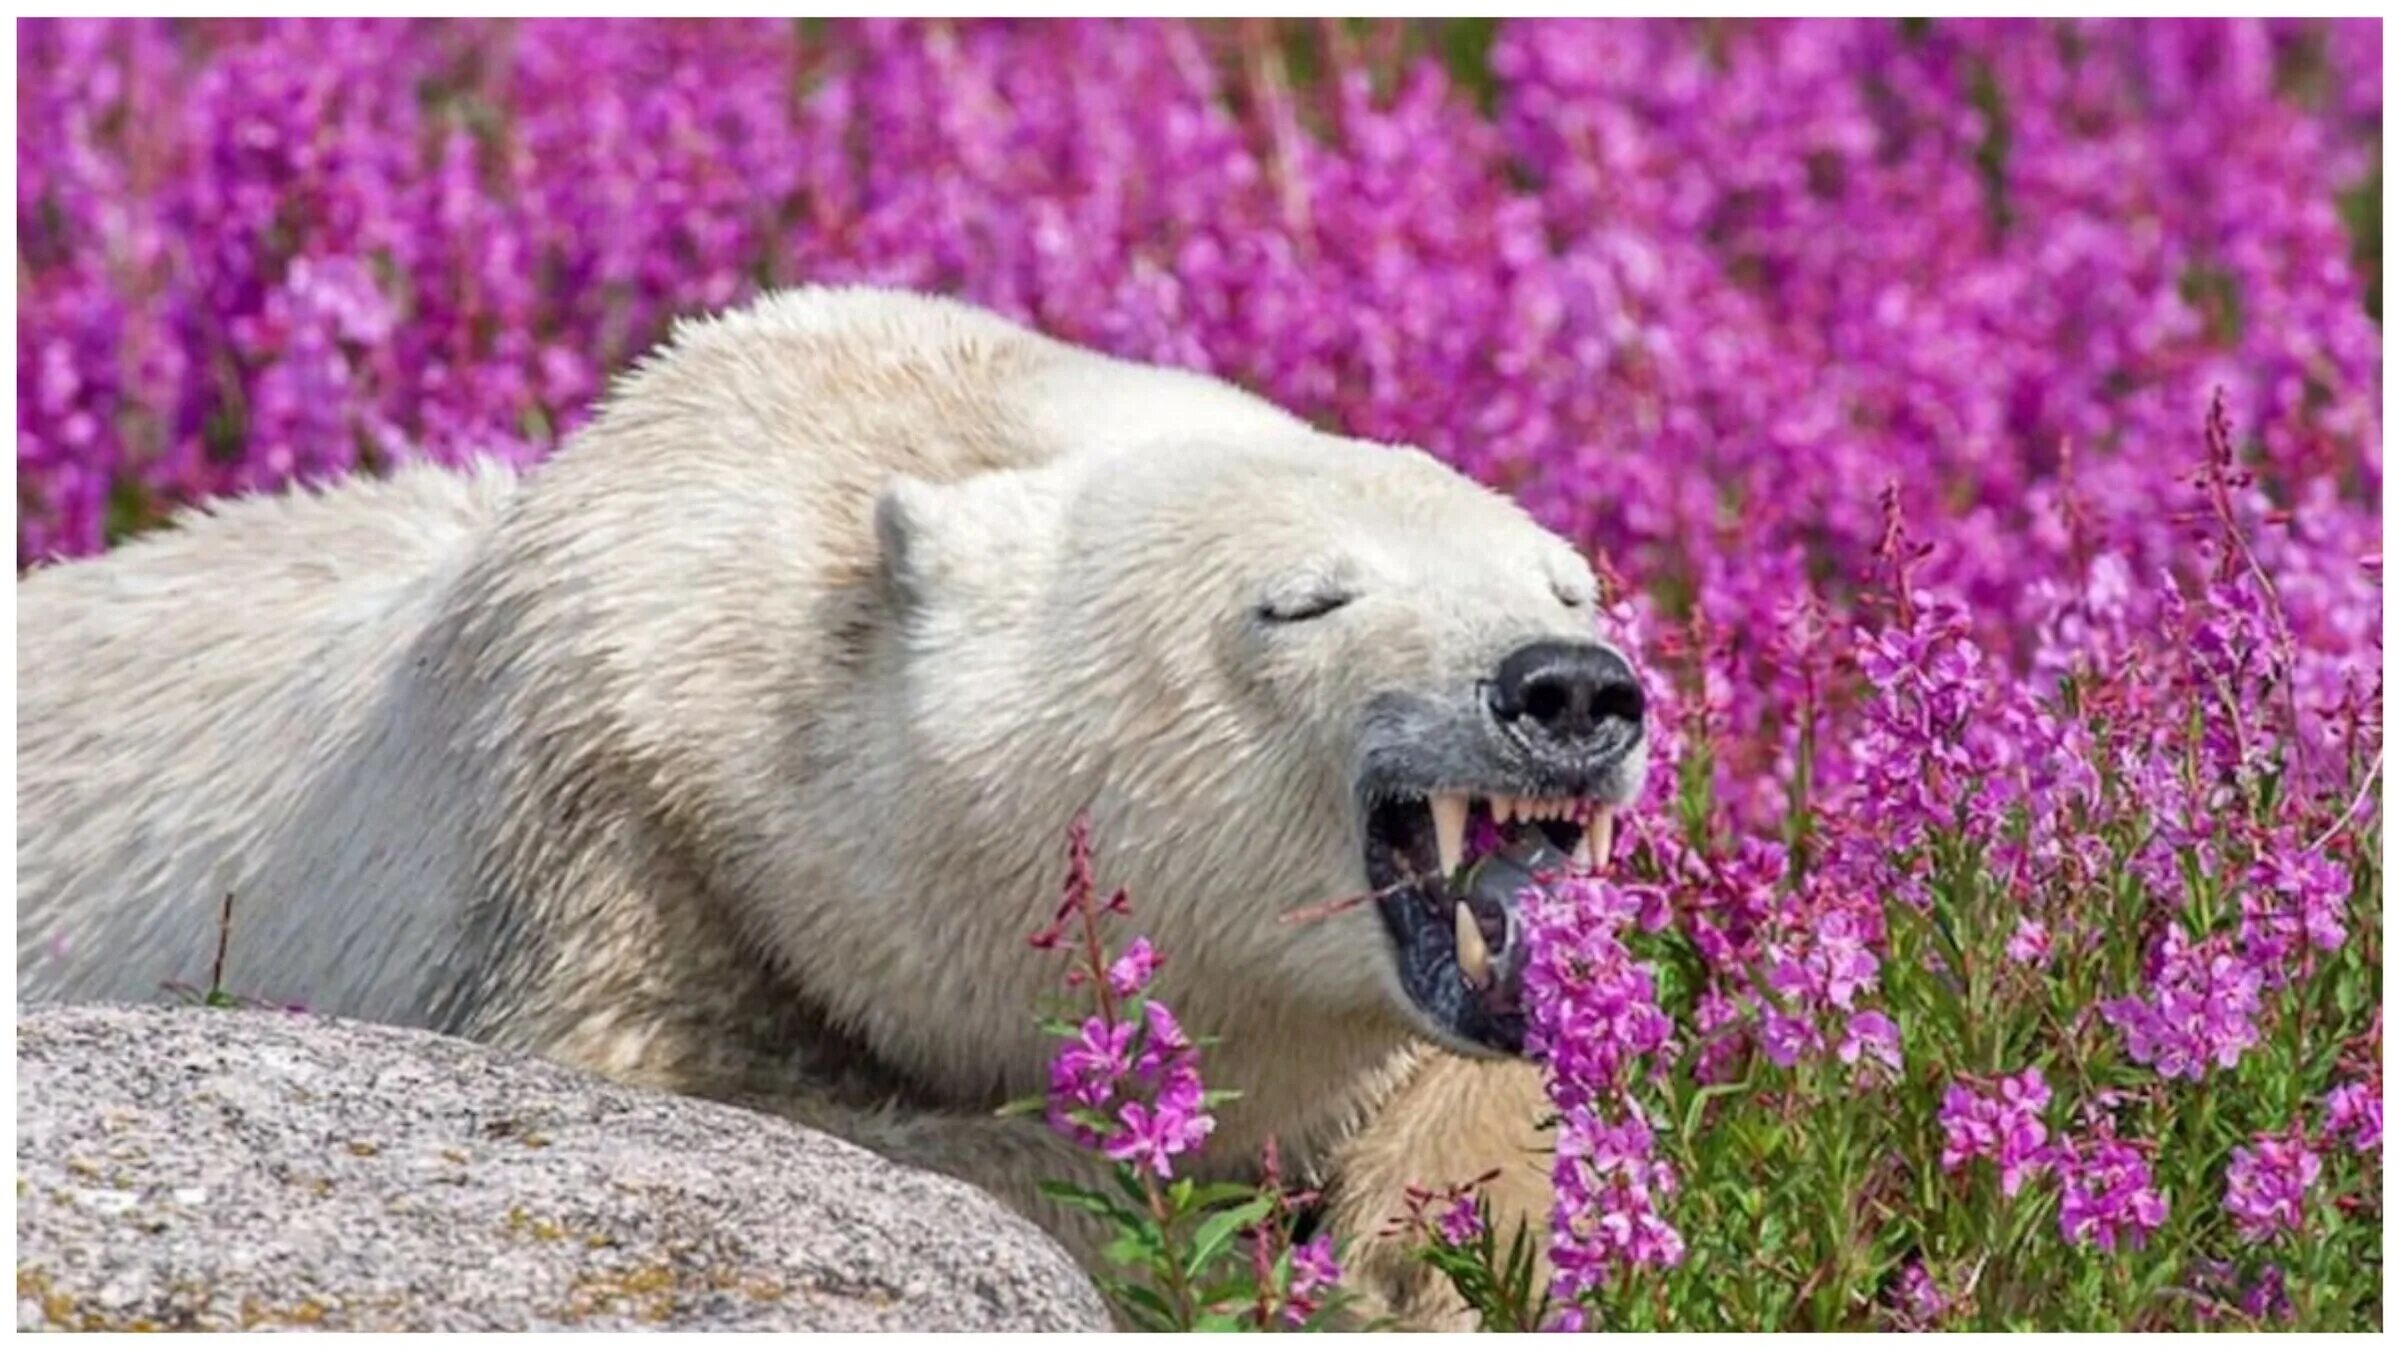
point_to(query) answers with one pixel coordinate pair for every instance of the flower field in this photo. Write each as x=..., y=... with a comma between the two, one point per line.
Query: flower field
x=1978, y=423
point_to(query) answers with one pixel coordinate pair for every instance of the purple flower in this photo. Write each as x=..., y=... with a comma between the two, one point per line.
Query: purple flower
x=1086, y=1070
x=2106, y=1195
x=1164, y=1044
x=2354, y=1111
x=1593, y=1017
x=2266, y=1300
x=2030, y=944
x=2266, y=1184
x=1921, y=1302
x=2005, y=1126
x=1786, y=1038
x=1462, y=1223
x=1609, y=1191
x=2294, y=904
x=1151, y=1136
x=1314, y=1272
x=1873, y=1037
x=1129, y=1087
x=1593, y=1008
x=2199, y=1011
x=1131, y=972
x=2261, y=1299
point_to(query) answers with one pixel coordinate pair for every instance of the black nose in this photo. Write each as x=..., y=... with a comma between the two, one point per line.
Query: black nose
x=1568, y=689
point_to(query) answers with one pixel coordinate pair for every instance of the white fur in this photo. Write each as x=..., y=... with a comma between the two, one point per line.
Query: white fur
x=625, y=761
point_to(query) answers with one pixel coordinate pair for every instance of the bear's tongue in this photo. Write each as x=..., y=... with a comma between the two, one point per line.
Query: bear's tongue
x=1483, y=899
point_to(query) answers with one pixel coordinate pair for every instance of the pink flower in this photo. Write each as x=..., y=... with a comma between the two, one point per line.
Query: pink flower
x=1128, y=1081
x=1314, y=1271
x=1593, y=1017
x=1151, y=1136
x=1462, y=1223
x=2030, y=944
x=1921, y=1301
x=1873, y=1037
x=2266, y=1184
x=1086, y=1070
x=2295, y=902
x=1786, y=1038
x=1131, y=972
x=2266, y=1300
x=1164, y=1043
x=2199, y=1011
x=2005, y=1127
x=2355, y=1111
x=2106, y=1195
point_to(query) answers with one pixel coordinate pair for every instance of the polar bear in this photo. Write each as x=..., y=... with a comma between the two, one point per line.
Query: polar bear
x=731, y=750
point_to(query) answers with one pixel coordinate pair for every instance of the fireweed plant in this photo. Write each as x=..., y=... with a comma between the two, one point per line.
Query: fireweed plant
x=1979, y=422
x=2058, y=1007
x=1125, y=1082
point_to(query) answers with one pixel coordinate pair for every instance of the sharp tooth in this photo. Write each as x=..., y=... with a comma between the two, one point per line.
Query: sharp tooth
x=1450, y=828
x=1474, y=958
x=1558, y=808
x=1598, y=835
x=1503, y=810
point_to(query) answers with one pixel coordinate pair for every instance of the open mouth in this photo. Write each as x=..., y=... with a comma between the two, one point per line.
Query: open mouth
x=1446, y=869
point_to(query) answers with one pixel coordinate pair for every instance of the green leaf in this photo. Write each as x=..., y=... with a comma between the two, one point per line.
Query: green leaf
x=1091, y=1202
x=1144, y=1308
x=1219, y=1229
x=1700, y=1099
x=1137, y=1248
x=1241, y=1287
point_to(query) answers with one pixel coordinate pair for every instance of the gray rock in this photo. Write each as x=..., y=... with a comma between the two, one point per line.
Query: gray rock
x=209, y=1168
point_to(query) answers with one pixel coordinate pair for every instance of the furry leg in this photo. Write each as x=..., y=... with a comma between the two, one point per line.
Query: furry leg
x=1452, y=1120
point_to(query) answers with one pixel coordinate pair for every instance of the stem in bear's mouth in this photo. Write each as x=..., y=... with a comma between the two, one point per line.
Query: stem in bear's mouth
x=1326, y=909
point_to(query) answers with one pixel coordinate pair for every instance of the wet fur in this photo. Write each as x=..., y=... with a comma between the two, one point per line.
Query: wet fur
x=730, y=751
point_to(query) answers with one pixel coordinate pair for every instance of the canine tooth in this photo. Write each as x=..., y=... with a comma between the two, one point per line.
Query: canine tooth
x=1450, y=828
x=1504, y=809
x=1598, y=836
x=1474, y=958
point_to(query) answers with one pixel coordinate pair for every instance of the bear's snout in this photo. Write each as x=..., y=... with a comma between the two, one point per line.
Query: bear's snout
x=1574, y=697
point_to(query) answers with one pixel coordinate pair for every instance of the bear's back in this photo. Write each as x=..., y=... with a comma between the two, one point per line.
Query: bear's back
x=373, y=713
x=178, y=703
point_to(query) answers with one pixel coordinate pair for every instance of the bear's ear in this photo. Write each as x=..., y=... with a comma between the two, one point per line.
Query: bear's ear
x=905, y=549
x=966, y=541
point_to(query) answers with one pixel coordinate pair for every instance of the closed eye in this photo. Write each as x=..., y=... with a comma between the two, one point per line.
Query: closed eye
x=1300, y=609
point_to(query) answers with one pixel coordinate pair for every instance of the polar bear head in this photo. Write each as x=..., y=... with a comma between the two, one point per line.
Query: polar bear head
x=1276, y=673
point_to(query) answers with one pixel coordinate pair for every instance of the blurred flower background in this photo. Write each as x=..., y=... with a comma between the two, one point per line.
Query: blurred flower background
x=1876, y=361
